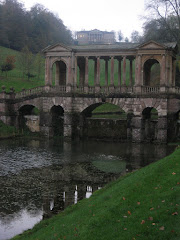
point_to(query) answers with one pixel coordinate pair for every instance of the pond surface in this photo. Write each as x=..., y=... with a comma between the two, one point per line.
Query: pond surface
x=41, y=178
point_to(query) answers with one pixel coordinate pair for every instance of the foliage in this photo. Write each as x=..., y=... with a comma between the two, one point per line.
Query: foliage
x=7, y=131
x=141, y=205
x=9, y=64
x=36, y=28
x=164, y=20
x=136, y=37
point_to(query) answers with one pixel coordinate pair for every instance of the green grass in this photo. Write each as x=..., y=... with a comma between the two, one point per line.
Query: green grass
x=15, y=77
x=7, y=131
x=142, y=205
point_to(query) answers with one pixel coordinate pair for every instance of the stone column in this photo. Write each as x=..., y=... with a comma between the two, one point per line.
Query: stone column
x=98, y=72
x=163, y=72
x=138, y=76
x=124, y=71
x=95, y=72
x=47, y=72
x=162, y=129
x=86, y=74
x=69, y=75
x=112, y=72
x=75, y=72
x=57, y=74
x=174, y=72
x=106, y=72
x=119, y=72
x=131, y=73
x=137, y=129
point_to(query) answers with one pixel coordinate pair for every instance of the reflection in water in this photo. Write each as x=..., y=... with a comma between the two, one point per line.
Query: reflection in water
x=41, y=178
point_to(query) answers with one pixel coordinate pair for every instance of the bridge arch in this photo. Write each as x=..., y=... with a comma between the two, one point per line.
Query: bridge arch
x=151, y=72
x=28, y=117
x=104, y=121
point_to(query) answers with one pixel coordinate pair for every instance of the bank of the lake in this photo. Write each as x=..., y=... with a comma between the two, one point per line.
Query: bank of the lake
x=141, y=205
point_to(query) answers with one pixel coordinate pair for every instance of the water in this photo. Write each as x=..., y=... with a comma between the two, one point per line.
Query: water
x=41, y=178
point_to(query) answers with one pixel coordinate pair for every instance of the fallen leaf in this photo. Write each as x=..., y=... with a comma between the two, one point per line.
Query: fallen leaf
x=161, y=228
x=142, y=222
x=151, y=209
x=175, y=213
x=124, y=198
x=129, y=212
x=173, y=173
x=138, y=203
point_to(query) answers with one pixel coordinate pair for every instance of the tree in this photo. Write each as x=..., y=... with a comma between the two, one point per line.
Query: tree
x=135, y=37
x=8, y=65
x=26, y=62
x=166, y=13
x=126, y=40
x=120, y=36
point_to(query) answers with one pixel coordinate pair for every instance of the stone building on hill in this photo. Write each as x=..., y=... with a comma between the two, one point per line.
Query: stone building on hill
x=95, y=37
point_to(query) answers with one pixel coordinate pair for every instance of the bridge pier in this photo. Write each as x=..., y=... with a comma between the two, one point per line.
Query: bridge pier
x=71, y=125
x=162, y=129
x=137, y=129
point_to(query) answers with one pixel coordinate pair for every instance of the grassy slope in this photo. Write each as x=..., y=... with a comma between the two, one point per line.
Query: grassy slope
x=141, y=205
x=14, y=77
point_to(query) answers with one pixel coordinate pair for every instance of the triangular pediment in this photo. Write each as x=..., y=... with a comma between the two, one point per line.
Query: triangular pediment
x=151, y=45
x=57, y=48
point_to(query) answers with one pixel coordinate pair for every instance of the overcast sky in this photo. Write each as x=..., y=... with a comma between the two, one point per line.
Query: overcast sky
x=106, y=15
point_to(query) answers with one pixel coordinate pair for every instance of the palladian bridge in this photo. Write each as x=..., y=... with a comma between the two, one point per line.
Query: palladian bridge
x=80, y=78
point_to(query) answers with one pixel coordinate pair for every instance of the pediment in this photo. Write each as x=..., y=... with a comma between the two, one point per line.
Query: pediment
x=151, y=45
x=57, y=48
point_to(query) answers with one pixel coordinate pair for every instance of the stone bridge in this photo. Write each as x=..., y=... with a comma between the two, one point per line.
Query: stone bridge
x=122, y=75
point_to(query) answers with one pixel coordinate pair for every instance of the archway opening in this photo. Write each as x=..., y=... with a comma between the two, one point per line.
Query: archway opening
x=104, y=121
x=150, y=120
x=29, y=118
x=59, y=73
x=57, y=120
x=152, y=73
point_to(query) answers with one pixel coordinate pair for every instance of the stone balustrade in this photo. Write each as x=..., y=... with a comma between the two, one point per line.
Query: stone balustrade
x=106, y=90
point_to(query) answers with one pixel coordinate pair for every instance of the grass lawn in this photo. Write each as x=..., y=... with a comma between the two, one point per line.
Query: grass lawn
x=142, y=205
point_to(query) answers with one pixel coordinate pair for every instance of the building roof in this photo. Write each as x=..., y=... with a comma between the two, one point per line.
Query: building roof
x=117, y=46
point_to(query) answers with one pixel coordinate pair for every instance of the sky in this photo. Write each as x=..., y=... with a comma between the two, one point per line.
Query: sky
x=104, y=15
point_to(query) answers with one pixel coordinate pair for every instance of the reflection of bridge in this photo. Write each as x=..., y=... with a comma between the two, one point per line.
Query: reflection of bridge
x=70, y=96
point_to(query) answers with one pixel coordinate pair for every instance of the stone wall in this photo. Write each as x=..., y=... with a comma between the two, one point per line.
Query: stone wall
x=105, y=129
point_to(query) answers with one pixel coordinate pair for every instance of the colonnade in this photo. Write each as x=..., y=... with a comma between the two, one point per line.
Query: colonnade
x=83, y=64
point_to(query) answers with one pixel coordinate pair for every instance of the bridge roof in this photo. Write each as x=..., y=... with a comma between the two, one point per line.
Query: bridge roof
x=111, y=47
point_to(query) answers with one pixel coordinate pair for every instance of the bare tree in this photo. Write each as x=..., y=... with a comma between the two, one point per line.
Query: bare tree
x=167, y=11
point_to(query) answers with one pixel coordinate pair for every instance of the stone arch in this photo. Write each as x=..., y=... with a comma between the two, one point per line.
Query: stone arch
x=57, y=120
x=103, y=125
x=151, y=72
x=28, y=117
x=61, y=71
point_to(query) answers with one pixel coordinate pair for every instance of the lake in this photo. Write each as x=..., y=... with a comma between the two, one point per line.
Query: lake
x=40, y=178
